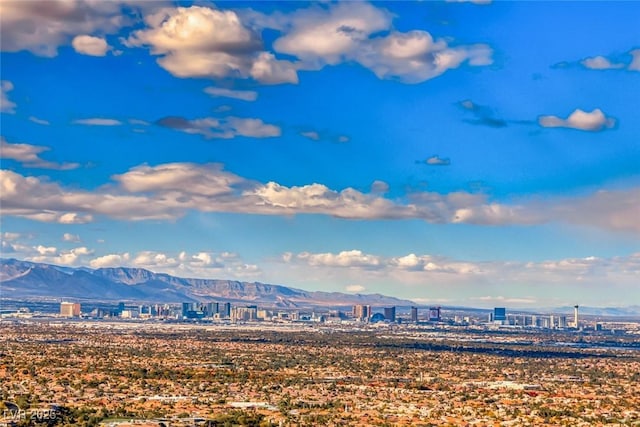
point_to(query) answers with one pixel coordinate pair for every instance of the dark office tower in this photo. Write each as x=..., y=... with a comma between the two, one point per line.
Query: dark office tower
x=390, y=314
x=211, y=308
x=499, y=314
x=226, y=310
x=186, y=308
x=120, y=308
x=414, y=314
x=434, y=314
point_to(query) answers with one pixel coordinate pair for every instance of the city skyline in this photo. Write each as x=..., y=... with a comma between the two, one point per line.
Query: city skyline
x=479, y=154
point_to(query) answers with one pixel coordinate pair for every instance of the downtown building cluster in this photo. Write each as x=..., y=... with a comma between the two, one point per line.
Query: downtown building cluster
x=357, y=314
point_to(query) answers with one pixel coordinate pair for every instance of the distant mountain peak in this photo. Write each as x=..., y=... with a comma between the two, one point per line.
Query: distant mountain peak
x=24, y=279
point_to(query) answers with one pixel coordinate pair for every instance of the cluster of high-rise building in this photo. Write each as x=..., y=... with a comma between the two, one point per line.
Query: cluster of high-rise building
x=499, y=316
x=359, y=313
x=364, y=313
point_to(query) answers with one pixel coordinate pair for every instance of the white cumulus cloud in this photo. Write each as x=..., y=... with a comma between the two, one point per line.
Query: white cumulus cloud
x=29, y=156
x=630, y=61
x=207, y=180
x=110, y=260
x=199, y=41
x=352, y=258
x=600, y=63
x=593, y=121
x=168, y=191
x=40, y=27
x=360, y=32
x=89, y=45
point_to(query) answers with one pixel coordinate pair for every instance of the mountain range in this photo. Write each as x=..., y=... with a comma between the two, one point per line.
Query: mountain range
x=29, y=280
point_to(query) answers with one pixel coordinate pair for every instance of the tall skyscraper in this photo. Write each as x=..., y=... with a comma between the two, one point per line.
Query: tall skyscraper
x=211, y=309
x=361, y=312
x=499, y=314
x=414, y=314
x=575, y=317
x=562, y=322
x=226, y=310
x=390, y=314
x=186, y=308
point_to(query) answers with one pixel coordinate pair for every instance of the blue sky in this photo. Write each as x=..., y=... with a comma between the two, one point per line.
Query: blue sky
x=473, y=153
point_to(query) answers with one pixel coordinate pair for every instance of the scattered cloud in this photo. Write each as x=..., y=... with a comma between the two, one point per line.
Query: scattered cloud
x=600, y=63
x=324, y=135
x=89, y=45
x=415, y=56
x=40, y=200
x=199, y=41
x=204, y=264
x=416, y=270
x=593, y=121
x=29, y=156
x=68, y=237
x=355, y=288
x=6, y=105
x=39, y=121
x=311, y=134
x=322, y=35
x=9, y=236
x=360, y=32
x=168, y=191
x=209, y=180
x=110, y=260
x=437, y=161
x=244, y=95
x=352, y=258
x=97, y=121
x=224, y=128
x=52, y=255
x=42, y=27
x=629, y=61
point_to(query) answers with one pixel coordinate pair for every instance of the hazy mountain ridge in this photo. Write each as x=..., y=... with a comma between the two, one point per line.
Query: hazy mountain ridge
x=631, y=310
x=23, y=279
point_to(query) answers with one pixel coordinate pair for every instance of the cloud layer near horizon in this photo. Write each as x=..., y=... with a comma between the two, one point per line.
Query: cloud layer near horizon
x=168, y=191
